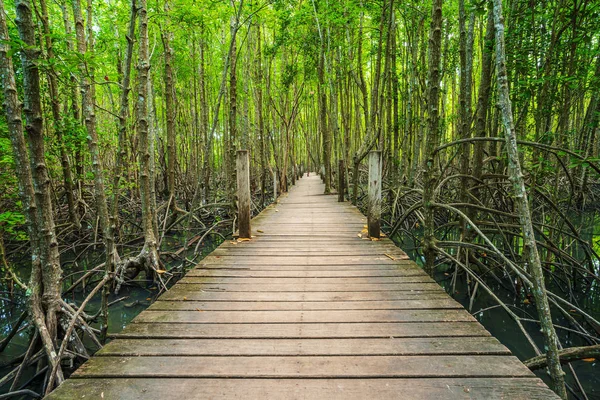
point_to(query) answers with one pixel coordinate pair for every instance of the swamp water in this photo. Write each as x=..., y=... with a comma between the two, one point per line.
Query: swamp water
x=506, y=330
x=129, y=302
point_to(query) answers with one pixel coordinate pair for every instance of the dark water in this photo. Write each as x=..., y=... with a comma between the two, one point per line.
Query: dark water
x=500, y=324
x=133, y=300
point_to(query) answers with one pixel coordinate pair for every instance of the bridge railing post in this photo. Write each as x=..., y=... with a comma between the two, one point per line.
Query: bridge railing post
x=274, y=185
x=243, y=188
x=341, y=180
x=374, y=196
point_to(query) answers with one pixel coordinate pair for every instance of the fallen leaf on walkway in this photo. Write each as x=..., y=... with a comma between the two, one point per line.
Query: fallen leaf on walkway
x=243, y=240
x=392, y=257
x=259, y=231
x=359, y=235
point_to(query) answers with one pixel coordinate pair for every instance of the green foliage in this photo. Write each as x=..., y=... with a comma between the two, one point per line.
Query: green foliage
x=74, y=133
x=12, y=223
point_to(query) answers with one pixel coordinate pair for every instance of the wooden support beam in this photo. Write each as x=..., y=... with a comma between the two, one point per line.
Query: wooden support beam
x=374, y=198
x=243, y=187
x=341, y=180
x=274, y=185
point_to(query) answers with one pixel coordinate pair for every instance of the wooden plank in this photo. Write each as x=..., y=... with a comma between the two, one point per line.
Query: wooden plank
x=314, y=248
x=343, y=254
x=285, y=268
x=187, y=305
x=304, y=347
x=316, y=287
x=296, y=389
x=303, y=330
x=315, y=273
x=304, y=367
x=308, y=316
x=272, y=281
x=305, y=260
x=190, y=292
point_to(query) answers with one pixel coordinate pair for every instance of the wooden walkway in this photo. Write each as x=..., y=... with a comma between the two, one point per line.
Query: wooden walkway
x=305, y=310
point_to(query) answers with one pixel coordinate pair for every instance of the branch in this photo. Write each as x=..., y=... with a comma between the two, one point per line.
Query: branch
x=566, y=356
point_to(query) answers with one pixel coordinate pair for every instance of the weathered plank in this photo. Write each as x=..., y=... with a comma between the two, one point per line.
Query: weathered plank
x=274, y=281
x=309, y=316
x=304, y=367
x=316, y=287
x=191, y=292
x=186, y=305
x=313, y=347
x=288, y=273
x=308, y=259
x=315, y=260
x=296, y=389
x=303, y=330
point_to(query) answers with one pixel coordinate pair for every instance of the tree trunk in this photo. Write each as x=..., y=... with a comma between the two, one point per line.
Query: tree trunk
x=522, y=202
x=167, y=38
x=232, y=141
x=259, y=115
x=485, y=84
x=45, y=281
x=88, y=102
x=371, y=131
x=58, y=123
x=433, y=137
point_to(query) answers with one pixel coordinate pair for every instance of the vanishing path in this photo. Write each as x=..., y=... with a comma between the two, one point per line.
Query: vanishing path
x=307, y=309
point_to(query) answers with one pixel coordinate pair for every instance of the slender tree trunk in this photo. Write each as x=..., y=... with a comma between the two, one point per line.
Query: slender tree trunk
x=371, y=130
x=204, y=123
x=120, y=157
x=395, y=153
x=522, y=202
x=323, y=126
x=170, y=101
x=433, y=137
x=45, y=282
x=88, y=95
x=149, y=253
x=259, y=115
x=466, y=53
x=485, y=84
x=58, y=123
x=231, y=177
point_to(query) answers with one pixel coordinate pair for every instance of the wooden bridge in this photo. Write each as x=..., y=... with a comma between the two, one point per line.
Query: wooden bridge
x=309, y=308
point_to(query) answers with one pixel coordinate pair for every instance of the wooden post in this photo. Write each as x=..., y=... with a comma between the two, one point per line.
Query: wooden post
x=341, y=181
x=374, y=206
x=274, y=185
x=243, y=187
